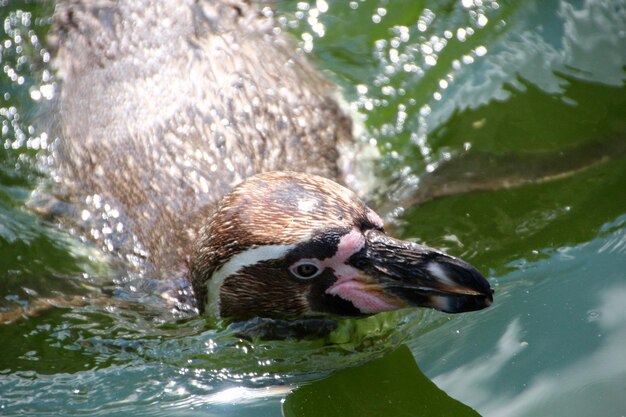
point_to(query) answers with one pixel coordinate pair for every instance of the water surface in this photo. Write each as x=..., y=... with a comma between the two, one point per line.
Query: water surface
x=481, y=94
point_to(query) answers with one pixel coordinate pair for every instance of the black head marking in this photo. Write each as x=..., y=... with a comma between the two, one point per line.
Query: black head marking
x=321, y=246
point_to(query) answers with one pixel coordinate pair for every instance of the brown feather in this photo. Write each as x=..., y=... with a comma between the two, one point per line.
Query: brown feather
x=160, y=115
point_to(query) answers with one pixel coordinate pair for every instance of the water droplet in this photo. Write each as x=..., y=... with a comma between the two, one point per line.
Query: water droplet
x=593, y=315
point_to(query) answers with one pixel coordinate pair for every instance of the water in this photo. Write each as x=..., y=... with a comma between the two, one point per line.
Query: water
x=515, y=94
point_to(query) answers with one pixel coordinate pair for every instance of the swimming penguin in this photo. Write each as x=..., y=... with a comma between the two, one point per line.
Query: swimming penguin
x=206, y=146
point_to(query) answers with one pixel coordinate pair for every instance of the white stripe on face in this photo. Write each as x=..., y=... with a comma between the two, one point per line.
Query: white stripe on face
x=235, y=264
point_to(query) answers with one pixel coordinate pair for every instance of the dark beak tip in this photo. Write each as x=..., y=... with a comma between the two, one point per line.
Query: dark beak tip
x=485, y=299
x=489, y=300
x=468, y=303
x=486, y=292
x=466, y=276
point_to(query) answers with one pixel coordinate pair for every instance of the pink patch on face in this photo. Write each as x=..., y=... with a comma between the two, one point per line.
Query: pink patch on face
x=349, y=244
x=368, y=302
x=348, y=285
x=373, y=217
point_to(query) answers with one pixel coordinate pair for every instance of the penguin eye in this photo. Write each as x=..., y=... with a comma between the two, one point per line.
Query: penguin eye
x=305, y=270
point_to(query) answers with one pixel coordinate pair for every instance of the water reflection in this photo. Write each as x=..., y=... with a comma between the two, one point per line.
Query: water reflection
x=528, y=50
x=599, y=375
x=471, y=379
x=596, y=336
x=519, y=76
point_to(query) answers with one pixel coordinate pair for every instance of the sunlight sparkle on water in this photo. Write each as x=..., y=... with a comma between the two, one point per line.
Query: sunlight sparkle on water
x=239, y=395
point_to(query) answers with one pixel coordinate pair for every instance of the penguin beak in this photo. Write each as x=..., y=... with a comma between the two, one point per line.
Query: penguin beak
x=395, y=274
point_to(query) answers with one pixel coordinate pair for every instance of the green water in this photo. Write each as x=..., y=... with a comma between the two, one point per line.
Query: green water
x=521, y=91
